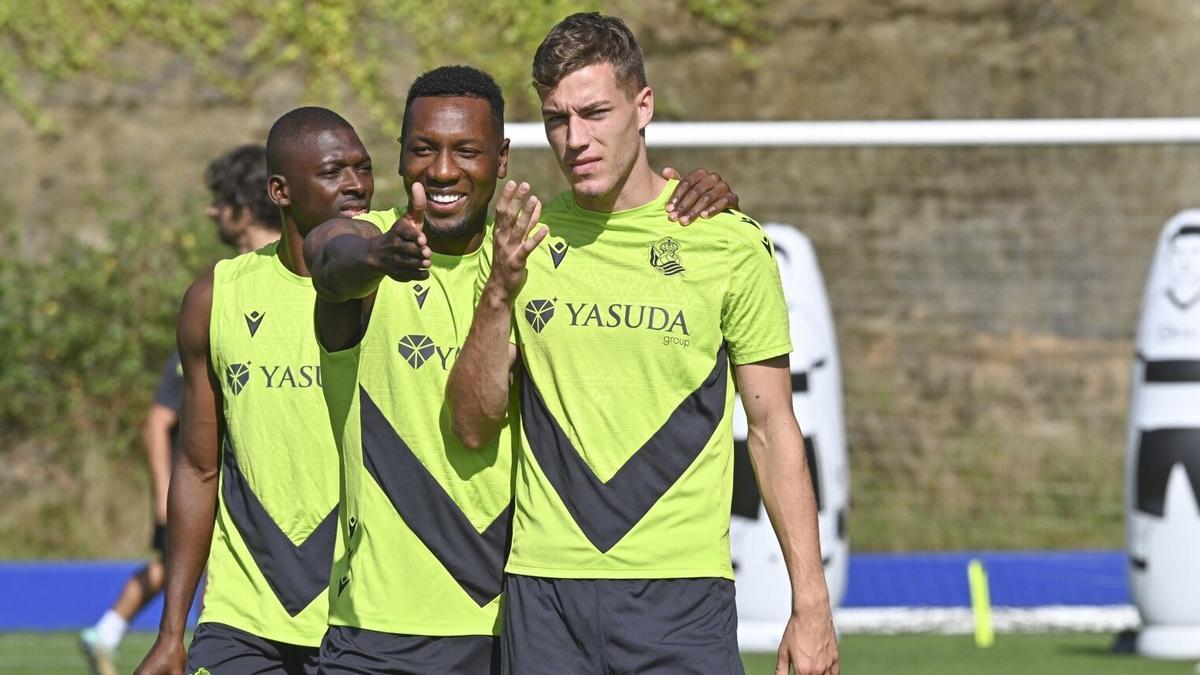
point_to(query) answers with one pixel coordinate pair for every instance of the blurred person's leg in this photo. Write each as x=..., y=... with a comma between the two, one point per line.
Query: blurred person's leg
x=100, y=641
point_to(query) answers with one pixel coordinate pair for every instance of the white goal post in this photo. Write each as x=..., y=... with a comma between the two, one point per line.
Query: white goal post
x=914, y=133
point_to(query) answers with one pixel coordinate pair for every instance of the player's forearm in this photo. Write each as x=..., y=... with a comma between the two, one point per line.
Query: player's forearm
x=157, y=441
x=341, y=261
x=478, y=388
x=777, y=450
x=190, y=512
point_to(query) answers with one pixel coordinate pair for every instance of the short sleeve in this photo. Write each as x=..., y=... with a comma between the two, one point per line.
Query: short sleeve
x=169, y=392
x=754, y=318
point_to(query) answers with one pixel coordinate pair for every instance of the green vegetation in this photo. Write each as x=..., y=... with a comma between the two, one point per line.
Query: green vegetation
x=340, y=48
x=88, y=321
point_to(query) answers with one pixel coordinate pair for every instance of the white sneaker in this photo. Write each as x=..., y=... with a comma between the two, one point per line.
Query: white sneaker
x=100, y=659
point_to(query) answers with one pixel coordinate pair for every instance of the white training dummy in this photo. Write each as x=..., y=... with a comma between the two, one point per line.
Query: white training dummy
x=1163, y=448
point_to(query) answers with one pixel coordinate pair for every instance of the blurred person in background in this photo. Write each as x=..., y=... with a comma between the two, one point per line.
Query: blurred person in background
x=247, y=220
x=246, y=217
x=254, y=490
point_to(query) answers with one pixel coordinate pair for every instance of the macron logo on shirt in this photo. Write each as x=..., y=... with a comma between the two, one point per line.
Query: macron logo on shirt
x=558, y=251
x=420, y=293
x=254, y=320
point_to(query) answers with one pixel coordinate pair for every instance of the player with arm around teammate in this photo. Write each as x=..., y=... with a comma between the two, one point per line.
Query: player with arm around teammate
x=425, y=520
x=629, y=347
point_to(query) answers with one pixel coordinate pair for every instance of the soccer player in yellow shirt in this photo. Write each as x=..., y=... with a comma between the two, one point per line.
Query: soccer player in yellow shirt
x=623, y=337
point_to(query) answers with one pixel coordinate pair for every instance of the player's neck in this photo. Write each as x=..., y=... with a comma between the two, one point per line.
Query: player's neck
x=258, y=237
x=460, y=245
x=641, y=186
x=291, y=249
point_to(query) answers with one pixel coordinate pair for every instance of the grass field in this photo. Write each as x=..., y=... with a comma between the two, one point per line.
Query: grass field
x=1045, y=654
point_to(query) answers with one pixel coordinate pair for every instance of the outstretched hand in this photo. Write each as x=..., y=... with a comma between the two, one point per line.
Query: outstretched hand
x=517, y=213
x=402, y=252
x=700, y=194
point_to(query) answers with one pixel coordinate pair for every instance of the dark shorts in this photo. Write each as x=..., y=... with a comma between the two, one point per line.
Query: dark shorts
x=158, y=540
x=225, y=650
x=603, y=626
x=358, y=651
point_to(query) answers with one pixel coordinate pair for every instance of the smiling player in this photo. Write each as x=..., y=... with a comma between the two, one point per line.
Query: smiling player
x=254, y=491
x=426, y=520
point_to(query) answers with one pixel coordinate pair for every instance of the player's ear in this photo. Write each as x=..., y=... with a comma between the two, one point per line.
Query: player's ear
x=644, y=100
x=502, y=164
x=277, y=190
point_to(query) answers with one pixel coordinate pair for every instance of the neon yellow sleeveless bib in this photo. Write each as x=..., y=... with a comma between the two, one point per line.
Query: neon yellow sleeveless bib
x=276, y=528
x=426, y=520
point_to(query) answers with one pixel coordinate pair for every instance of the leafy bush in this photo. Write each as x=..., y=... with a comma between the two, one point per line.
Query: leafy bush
x=236, y=45
x=87, y=322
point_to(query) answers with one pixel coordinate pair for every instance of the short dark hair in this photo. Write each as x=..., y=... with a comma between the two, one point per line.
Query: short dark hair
x=296, y=124
x=583, y=40
x=1185, y=231
x=448, y=81
x=239, y=178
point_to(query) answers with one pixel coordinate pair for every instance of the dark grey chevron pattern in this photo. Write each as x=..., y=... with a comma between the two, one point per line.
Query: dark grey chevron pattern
x=475, y=559
x=607, y=511
x=296, y=574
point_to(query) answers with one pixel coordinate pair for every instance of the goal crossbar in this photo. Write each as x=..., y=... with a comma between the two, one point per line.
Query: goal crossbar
x=907, y=133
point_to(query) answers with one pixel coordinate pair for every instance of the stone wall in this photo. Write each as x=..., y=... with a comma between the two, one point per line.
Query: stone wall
x=985, y=298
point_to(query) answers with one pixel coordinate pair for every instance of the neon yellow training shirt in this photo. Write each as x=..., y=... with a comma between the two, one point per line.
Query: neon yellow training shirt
x=275, y=535
x=426, y=519
x=627, y=328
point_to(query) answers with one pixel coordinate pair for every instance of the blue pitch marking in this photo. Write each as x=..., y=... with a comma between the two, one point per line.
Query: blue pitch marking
x=71, y=595
x=45, y=595
x=1015, y=578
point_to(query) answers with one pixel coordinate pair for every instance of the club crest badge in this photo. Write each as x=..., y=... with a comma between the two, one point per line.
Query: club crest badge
x=664, y=257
